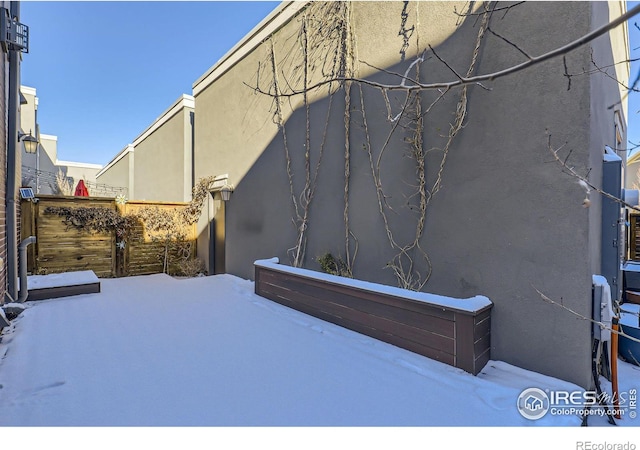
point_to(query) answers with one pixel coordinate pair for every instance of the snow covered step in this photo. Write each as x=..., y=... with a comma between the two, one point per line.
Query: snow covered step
x=42, y=287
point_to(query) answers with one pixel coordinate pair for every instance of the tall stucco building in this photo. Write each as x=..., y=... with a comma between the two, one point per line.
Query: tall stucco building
x=342, y=130
x=158, y=164
x=42, y=169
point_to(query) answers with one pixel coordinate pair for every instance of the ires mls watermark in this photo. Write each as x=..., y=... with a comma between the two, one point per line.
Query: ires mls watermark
x=535, y=403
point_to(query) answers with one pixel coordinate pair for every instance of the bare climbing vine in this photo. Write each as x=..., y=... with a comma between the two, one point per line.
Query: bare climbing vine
x=318, y=50
x=335, y=66
x=320, y=61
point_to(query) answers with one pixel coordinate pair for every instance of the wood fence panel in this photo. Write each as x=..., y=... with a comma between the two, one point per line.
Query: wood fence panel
x=633, y=239
x=144, y=255
x=62, y=247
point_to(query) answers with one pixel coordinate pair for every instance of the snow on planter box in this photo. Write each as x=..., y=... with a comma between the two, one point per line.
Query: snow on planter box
x=454, y=331
x=43, y=287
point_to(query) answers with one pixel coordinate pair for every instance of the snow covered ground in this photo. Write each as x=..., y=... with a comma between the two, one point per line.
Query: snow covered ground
x=208, y=352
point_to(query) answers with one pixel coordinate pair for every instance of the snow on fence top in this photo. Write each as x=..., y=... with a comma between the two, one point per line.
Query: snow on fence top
x=472, y=304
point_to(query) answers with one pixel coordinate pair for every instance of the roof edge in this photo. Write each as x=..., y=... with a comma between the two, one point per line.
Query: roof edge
x=185, y=101
x=269, y=25
x=125, y=151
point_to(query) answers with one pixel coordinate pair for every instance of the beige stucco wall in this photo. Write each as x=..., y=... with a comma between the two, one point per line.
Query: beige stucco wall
x=41, y=168
x=119, y=172
x=28, y=110
x=157, y=165
x=161, y=170
x=609, y=109
x=506, y=222
x=79, y=171
x=49, y=145
x=632, y=179
x=619, y=38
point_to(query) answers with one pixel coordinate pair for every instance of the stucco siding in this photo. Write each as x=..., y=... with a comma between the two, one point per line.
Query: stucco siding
x=505, y=222
x=160, y=170
x=118, y=174
x=509, y=221
x=28, y=110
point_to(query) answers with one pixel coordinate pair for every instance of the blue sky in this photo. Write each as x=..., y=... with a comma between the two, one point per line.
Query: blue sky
x=633, y=133
x=104, y=71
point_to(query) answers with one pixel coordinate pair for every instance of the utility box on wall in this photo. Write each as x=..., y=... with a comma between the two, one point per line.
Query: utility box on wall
x=613, y=246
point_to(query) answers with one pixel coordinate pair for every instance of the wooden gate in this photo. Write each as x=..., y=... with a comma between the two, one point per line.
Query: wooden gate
x=62, y=247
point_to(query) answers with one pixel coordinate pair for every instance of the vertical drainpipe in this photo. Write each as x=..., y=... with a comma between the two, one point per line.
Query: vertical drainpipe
x=37, y=132
x=192, y=117
x=12, y=169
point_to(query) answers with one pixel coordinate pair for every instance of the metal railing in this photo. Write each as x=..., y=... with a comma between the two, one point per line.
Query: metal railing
x=44, y=182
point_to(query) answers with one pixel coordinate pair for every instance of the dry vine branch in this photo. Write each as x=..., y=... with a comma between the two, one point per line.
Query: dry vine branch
x=583, y=180
x=506, y=9
x=64, y=184
x=603, y=70
x=316, y=51
x=410, y=117
x=602, y=325
x=533, y=61
x=304, y=57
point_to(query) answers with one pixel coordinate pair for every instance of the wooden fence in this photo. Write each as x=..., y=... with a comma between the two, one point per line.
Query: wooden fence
x=62, y=247
x=633, y=238
x=144, y=252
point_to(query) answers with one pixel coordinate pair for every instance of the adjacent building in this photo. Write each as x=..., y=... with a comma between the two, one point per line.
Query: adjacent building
x=452, y=190
x=342, y=131
x=632, y=179
x=158, y=164
x=42, y=170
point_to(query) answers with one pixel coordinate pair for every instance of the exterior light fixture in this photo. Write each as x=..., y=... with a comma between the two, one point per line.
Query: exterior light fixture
x=30, y=142
x=225, y=192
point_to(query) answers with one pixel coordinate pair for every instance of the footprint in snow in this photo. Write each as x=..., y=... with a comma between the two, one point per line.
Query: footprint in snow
x=35, y=395
x=48, y=386
x=488, y=397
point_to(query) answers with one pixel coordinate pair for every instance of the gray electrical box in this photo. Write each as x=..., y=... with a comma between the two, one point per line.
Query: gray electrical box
x=597, y=310
x=612, y=222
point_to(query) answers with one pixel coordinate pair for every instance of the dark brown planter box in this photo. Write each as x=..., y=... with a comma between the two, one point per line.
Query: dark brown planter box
x=454, y=331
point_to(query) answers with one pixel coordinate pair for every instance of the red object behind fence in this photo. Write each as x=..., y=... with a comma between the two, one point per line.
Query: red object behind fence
x=81, y=190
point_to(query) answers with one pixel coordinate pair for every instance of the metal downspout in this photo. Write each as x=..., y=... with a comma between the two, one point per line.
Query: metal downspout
x=24, y=291
x=192, y=117
x=12, y=169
